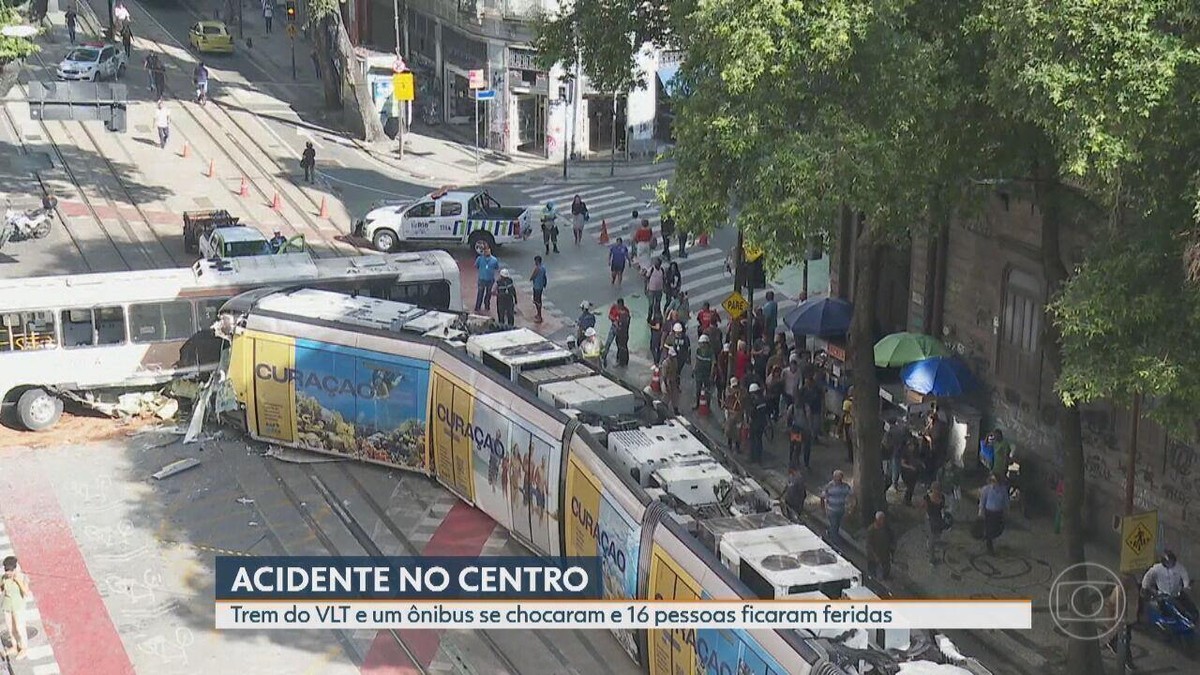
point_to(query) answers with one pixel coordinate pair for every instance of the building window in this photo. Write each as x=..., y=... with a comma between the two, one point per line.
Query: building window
x=1020, y=357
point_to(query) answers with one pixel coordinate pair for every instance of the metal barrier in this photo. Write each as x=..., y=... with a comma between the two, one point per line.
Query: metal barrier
x=79, y=102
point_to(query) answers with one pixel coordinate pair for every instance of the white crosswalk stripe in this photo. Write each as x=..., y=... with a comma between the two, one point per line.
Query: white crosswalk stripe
x=39, y=654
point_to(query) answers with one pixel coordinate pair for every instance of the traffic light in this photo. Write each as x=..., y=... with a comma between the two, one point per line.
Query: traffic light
x=291, y=10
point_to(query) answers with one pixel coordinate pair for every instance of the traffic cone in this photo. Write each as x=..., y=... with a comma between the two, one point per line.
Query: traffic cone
x=603, y=231
x=275, y=203
x=704, y=239
x=655, y=382
x=244, y=190
x=324, y=209
x=702, y=408
x=212, y=169
x=187, y=150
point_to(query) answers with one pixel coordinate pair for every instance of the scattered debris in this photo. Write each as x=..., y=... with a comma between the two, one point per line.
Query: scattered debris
x=253, y=523
x=244, y=501
x=189, y=388
x=176, y=467
x=295, y=456
x=133, y=405
x=196, y=425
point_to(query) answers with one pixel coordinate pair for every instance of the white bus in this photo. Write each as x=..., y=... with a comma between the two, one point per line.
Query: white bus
x=65, y=335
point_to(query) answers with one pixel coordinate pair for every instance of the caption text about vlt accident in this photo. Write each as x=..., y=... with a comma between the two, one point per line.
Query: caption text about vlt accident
x=545, y=615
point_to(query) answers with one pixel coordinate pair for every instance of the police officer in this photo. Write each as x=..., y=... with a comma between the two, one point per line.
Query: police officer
x=506, y=300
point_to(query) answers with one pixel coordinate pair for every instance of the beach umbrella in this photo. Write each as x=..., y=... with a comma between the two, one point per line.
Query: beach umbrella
x=900, y=349
x=939, y=376
x=823, y=317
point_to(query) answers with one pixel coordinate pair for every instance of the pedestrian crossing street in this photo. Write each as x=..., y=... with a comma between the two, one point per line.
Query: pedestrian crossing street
x=706, y=271
x=39, y=656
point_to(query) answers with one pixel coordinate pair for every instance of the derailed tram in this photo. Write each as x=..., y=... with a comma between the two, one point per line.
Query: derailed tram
x=571, y=462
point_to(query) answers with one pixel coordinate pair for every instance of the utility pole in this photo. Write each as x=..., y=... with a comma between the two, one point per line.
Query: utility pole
x=612, y=162
x=290, y=8
x=476, y=93
x=567, y=122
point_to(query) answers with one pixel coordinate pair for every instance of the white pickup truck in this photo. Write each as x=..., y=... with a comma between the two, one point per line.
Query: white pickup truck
x=445, y=216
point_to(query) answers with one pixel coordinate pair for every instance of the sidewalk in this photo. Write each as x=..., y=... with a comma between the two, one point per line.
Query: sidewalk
x=1029, y=555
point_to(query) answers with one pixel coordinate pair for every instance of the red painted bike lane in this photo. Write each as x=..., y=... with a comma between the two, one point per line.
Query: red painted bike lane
x=463, y=532
x=88, y=641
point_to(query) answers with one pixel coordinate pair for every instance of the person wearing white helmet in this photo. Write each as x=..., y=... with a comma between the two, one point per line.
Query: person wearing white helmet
x=757, y=415
x=506, y=300
x=585, y=321
x=702, y=372
x=589, y=348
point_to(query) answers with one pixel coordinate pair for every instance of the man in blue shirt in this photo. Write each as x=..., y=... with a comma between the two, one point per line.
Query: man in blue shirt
x=835, y=497
x=770, y=310
x=618, y=256
x=487, y=265
x=538, y=280
x=993, y=501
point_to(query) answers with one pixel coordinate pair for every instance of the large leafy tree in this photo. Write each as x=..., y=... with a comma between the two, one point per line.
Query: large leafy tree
x=1110, y=89
x=801, y=116
x=13, y=48
x=602, y=38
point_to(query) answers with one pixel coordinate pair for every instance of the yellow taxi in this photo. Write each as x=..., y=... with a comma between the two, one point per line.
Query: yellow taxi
x=211, y=37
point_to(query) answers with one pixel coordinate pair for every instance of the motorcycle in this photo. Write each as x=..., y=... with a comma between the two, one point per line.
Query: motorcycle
x=31, y=224
x=1167, y=618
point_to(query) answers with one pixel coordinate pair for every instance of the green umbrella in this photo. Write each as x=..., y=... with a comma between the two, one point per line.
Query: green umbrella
x=901, y=349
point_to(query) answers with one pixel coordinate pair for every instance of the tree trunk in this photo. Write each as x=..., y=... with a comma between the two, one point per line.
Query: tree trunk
x=1083, y=649
x=868, y=476
x=612, y=161
x=326, y=54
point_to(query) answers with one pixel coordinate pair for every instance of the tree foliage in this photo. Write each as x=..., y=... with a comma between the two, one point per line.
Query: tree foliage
x=14, y=48
x=602, y=37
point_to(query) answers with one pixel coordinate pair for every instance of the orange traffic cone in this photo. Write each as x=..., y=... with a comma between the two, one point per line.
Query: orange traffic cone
x=275, y=203
x=212, y=169
x=324, y=209
x=702, y=407
x=244, y=190
x=603, y=231
x=655, y=382
x=704, y=239
x=187, y=150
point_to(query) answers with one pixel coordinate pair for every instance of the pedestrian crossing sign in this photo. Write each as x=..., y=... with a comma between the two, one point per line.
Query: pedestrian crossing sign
x=291, y=30
x=403, y=86
x=1139, y=535
x=736, y=305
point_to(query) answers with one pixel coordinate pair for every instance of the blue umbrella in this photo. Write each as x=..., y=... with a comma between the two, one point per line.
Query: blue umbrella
x=823, y=317
x=940, y=376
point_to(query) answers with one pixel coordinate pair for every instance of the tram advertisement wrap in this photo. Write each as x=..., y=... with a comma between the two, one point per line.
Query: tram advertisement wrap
x=710, y=651
x=597, y=526
x=341, y=400
x=513, y=463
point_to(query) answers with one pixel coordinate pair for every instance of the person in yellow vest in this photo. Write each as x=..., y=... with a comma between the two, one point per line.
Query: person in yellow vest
x=590, y=347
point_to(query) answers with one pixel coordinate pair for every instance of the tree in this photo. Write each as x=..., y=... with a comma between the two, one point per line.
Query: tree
x=800, y=116
x=13, y=48
x=1108, y=87
x=324, y=18
x=603, y=39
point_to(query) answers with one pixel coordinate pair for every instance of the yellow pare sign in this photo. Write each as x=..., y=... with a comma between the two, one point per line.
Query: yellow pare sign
x=1139, y=541
x=403, y=86
x=735, y=304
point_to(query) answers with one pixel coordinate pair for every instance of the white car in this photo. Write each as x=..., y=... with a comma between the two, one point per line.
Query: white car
x=234, y=242
x=92, y=62
x=446, y=216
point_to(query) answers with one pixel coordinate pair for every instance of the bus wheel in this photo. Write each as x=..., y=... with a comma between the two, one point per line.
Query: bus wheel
x=386, y=241
x=479, y=239
x=39, y=410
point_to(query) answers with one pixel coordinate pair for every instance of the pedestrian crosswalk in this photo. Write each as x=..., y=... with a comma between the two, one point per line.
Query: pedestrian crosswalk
x=39, y=655
x=707, y=270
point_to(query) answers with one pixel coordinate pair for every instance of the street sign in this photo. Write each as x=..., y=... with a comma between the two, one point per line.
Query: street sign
x=1139, y=541
x=485, y=94
x=750, y=253
x=736, y=305
x=291, y=30
x=403, y=87
x=476, y=79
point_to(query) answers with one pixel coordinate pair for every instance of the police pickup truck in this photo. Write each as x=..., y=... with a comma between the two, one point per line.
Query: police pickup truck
x=445, y=216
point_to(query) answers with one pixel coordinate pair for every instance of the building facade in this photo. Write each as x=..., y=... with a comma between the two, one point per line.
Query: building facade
x=535, y=111
x=980, y=286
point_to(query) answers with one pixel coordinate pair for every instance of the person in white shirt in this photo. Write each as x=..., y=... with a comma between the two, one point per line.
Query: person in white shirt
x=1169, y=578
x=162, y=122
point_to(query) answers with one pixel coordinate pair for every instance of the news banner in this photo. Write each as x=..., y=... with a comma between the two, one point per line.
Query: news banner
x=534, y=593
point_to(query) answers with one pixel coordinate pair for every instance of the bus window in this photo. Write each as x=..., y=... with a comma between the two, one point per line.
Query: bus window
x=161, y=321
x=427, y=294
x=27, y=330
x=206, y=312
x=92, y=327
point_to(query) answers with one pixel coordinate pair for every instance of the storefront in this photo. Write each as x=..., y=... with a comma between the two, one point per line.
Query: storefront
x=529, y=91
